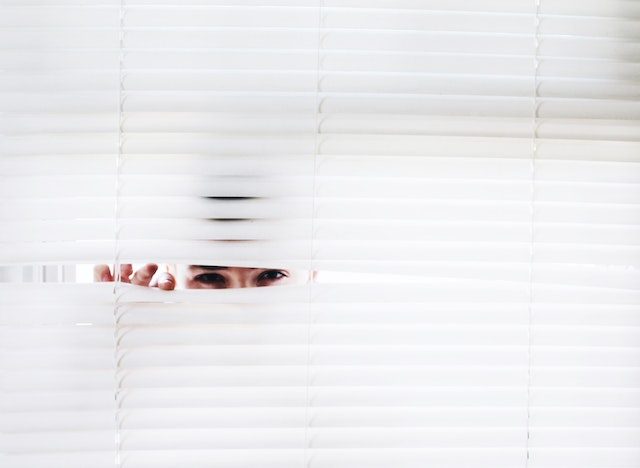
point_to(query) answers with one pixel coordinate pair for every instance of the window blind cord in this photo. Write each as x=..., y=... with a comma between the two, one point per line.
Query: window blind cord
x=316, y=145
x=116, y=264
x=532, y=214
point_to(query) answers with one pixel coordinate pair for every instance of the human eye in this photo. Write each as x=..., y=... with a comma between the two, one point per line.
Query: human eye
x=212, y=280
x=269, y=277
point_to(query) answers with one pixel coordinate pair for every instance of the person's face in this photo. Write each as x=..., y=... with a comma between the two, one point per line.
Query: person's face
x=215, y=277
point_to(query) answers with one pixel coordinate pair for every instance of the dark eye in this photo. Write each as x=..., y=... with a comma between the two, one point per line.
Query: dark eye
x=271, y=276
x=211, y=279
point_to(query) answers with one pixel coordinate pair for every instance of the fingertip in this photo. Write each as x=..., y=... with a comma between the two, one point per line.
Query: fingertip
x=150, y=269
x=167, y=286
x=166, y=282
x=102, y=274
x=146, y=272
x=126, y=269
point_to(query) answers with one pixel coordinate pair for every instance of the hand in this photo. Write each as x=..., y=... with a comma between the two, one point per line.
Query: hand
x=143, y=277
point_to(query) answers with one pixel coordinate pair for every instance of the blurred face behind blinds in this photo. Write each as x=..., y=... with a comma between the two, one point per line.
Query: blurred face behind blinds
x=219, y=277
x=226, y=277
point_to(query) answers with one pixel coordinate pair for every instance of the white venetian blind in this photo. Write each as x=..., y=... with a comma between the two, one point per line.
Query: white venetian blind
x=462, y=175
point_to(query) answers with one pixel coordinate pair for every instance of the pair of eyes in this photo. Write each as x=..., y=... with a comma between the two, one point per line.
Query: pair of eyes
x=218, y=280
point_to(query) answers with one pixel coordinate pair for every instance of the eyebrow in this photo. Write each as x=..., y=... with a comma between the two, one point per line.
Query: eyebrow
x=209, y=267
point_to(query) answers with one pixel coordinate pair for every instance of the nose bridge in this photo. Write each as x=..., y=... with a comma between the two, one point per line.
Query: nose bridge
x=239, y=278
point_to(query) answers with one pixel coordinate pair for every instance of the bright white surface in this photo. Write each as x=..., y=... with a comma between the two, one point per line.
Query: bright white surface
x=463, y=175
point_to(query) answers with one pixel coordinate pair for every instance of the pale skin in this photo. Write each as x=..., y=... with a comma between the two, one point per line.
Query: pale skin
x=202, y=276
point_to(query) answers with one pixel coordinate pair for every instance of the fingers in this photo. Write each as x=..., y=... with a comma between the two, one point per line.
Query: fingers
x=102, y=274
x=164, y=281
x=126, y=269
x=143, y=276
